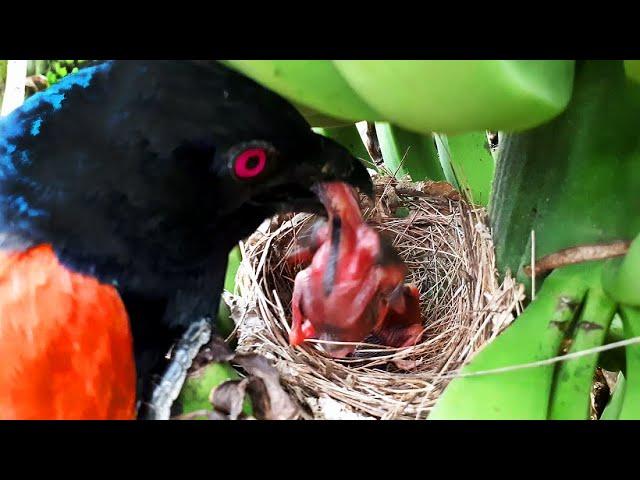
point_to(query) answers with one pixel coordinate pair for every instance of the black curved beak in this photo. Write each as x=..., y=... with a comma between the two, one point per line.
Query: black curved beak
x=331, y=162
x=337, y=164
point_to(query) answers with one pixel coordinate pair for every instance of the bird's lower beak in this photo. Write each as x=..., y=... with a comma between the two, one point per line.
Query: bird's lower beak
x=339, y=165
x=332, y=164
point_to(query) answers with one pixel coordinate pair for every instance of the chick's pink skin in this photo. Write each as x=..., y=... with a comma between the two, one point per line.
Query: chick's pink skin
x=349, y=290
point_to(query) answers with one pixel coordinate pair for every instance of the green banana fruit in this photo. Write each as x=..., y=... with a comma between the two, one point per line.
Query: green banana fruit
x=313, y=83
x=632, y=69
x=536, y=335
x=614, y=360
x=450, y=96
x=620, y=276
x=457, y=96
x=574, y=378
x=630, y=409
x=612, y=410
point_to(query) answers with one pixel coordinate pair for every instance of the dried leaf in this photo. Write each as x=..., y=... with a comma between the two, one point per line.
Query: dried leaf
x=216, y=351
x=269, y=399
x=228, y=398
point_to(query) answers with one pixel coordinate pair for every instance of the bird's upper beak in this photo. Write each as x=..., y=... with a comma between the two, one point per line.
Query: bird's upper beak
x=337, y=164
x=328, y=163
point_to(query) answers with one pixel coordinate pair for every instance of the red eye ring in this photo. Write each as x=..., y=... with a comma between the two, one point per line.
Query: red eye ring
x=250, y=163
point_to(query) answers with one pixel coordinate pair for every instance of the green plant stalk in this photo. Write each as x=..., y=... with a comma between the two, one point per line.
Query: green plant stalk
x=575, y=179
x=536, y=335
x=613, y=408
x=408, y=153
x=471, y=162
x=574, y=378
x=350, y=138
x=631, y=404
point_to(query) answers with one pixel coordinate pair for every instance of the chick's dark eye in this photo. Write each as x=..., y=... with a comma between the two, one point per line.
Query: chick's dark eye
x=250, y=163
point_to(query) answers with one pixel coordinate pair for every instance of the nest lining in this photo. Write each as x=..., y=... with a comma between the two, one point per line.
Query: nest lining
x=447, y=247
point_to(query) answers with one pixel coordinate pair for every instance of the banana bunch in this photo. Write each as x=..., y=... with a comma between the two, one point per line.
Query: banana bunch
x=410, y=99
x=574, y=182
x=422, y=95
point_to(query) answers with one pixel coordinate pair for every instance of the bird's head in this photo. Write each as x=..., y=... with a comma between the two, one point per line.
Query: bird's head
x=159, y=165
x=286, y=174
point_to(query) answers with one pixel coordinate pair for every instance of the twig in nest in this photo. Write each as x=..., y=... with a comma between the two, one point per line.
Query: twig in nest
x=579, y=254
x=372, y=144
x=422, y=190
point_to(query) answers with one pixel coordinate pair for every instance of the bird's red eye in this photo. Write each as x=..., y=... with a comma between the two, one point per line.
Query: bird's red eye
x=250, y=163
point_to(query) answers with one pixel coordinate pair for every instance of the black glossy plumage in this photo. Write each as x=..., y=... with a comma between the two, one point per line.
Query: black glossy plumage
x=124, y=168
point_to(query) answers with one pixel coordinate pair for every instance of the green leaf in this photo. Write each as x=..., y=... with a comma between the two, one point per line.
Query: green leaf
x=51, y=77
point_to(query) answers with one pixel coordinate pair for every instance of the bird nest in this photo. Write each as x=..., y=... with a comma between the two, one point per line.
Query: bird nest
x=447, y=246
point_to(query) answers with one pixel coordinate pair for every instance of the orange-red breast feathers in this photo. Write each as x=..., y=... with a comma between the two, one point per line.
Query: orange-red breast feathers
x=66, y=349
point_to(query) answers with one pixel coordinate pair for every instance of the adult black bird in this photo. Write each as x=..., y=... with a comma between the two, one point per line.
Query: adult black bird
x=122, y=189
